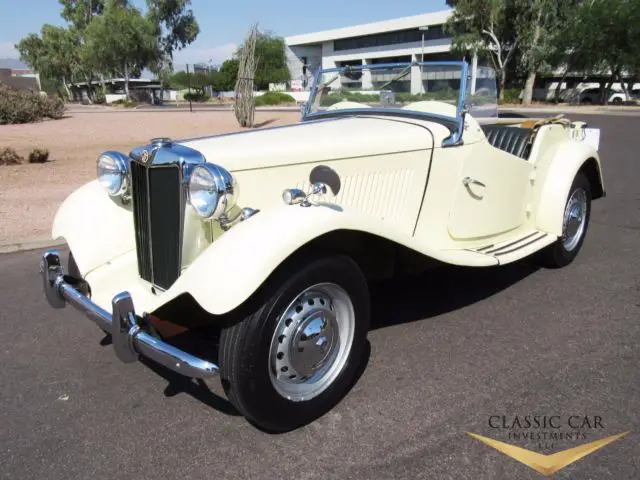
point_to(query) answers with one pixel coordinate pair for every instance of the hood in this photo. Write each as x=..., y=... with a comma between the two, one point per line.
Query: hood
x=314, y=141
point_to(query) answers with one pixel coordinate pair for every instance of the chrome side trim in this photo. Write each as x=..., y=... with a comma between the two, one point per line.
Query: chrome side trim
x=536, y=239
x=129, y=340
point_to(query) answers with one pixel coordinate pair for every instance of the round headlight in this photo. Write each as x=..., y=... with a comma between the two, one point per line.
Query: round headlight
x=112, y=173
x=212, y=191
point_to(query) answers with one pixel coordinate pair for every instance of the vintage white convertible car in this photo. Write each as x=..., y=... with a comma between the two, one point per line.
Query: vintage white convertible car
x=270, y=236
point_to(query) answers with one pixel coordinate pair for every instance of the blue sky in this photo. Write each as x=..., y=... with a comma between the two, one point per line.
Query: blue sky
x=223, y=24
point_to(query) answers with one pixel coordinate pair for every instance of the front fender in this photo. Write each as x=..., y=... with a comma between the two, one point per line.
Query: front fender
x=97, y=227
x=567, y=161
x=231, y=269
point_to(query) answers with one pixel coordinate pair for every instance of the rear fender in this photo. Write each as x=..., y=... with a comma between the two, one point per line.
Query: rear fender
x=568, y=160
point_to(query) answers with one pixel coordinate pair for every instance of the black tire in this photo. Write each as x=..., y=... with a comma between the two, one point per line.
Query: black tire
x=557, y=255
x=244, y=352
x=617, y=101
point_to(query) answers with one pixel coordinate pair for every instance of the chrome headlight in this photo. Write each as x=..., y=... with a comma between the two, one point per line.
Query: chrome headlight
x=113, y=168
x=212, y=191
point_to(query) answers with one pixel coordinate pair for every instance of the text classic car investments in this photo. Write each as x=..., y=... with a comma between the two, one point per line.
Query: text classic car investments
x=266, y=239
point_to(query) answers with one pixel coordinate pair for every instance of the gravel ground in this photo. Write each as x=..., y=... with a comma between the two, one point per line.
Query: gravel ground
x=31, y=194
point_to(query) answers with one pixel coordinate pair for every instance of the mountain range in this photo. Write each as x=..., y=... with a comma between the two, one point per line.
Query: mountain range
x=12, y=63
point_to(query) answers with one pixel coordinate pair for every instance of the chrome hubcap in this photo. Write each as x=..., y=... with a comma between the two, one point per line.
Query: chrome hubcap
x=311, y=342
x=575, y=218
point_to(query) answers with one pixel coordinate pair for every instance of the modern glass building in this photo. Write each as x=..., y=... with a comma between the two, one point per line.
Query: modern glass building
x=415, y=38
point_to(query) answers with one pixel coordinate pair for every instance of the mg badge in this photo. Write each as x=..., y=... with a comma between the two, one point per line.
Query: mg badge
x=145, y=156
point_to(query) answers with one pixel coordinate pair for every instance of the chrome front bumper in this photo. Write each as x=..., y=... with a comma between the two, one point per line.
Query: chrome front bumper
x=129, y=340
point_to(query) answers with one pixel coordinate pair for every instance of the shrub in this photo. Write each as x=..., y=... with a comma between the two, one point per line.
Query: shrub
x=196, y=97
x=8, y=156
x=19, y=106
x=125, y=103
x=328, y=100
x=53, y=107
x=39, y=155
x=511, y=95
x=274, y=98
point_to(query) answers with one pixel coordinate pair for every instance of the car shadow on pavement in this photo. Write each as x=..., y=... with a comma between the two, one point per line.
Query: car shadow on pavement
x=198, y=343
x=440, y=290
x=195, y=388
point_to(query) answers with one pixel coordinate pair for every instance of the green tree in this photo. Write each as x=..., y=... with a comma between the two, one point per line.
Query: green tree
x=79, y=13
x=228, y=74
x=272, y=60
x=163, y=69
x=122, y=40
x=537, y=24
x=485, y=26
x=176, y=27
x=175, y=22
x=602, y=38
x=53, y=54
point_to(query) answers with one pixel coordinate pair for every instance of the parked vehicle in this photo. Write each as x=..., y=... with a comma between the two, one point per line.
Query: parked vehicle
x=269, y=237
x=592, y=96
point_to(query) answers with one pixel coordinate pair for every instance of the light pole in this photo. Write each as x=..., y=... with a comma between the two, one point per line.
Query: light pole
x=422, y=29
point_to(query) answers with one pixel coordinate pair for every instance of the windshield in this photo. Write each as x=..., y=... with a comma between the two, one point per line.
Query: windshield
x=412, y=87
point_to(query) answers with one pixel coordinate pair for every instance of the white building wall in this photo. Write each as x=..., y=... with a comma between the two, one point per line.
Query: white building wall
x=319, y=47
x=295, y=55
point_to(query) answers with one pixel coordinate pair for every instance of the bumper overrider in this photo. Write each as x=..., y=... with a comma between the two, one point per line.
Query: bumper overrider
x=125, y=327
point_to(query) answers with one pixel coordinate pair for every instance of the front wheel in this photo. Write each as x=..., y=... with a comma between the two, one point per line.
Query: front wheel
x=297, y=355
x=574, y=226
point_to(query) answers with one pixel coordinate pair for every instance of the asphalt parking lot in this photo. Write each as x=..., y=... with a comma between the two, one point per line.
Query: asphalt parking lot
x=448, y=350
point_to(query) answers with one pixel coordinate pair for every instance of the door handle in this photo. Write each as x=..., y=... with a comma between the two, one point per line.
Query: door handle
x=466, y=181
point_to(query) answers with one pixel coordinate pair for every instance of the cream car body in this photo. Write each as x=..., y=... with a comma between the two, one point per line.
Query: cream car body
x=384, y=165
x=424, y=179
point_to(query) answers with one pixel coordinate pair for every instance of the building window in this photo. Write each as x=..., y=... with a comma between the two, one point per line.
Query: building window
x=390, y=38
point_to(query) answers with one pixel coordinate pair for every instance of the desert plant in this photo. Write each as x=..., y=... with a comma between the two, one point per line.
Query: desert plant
x=274, y=98
x=8, y=156
x=53, y=107
x=19, y=106
x=244, y=107
x=39, y=155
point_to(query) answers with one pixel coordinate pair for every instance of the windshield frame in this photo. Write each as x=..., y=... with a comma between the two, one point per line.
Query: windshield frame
x=454, y=139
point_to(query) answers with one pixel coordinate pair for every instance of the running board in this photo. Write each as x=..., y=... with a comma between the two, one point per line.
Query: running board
x=512, y=250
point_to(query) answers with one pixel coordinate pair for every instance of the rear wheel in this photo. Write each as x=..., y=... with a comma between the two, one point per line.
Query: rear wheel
x=297, y=355
x=574, y=226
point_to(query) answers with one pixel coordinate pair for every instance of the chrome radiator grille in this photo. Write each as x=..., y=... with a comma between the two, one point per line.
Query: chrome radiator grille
x=158, y=205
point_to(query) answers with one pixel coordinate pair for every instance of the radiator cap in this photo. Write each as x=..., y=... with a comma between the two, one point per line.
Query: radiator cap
x=161, y=142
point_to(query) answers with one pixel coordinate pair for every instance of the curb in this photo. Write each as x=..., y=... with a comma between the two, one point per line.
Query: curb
x=26, y=245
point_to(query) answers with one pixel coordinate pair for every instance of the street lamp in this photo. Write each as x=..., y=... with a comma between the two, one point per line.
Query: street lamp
x=422, y=29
